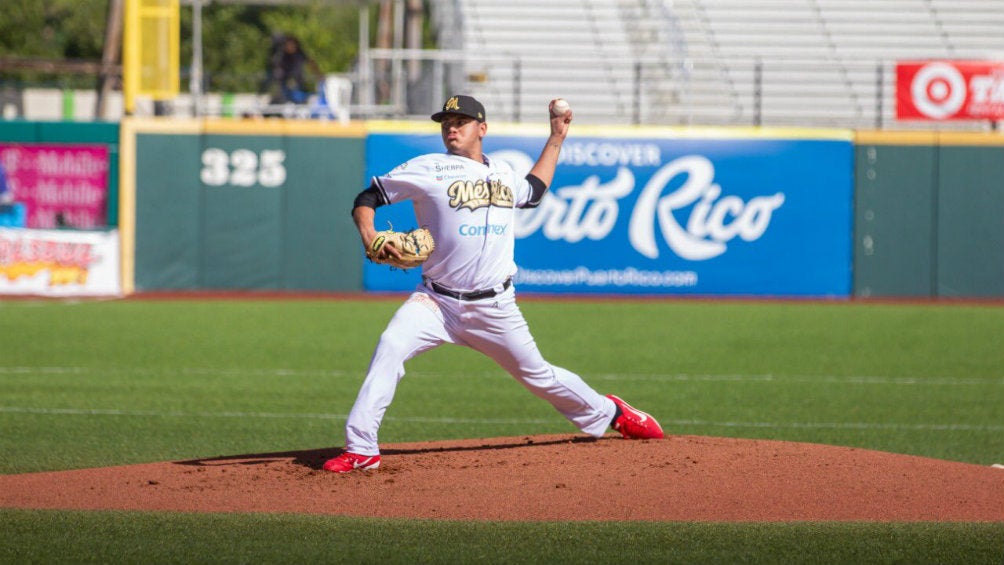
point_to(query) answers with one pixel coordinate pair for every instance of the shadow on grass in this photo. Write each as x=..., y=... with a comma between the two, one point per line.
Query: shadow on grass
x=315, y=458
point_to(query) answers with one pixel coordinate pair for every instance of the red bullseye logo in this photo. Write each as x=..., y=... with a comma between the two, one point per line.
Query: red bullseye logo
x=938, y=90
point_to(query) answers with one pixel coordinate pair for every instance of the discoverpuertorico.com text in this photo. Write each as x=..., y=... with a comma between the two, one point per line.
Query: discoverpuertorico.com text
x=606, y=277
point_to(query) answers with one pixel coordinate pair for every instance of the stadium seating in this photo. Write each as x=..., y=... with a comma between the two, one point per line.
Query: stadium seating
x=729, y=62
x=560, y=48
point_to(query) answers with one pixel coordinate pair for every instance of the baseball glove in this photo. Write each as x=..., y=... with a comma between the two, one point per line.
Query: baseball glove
x=414, y=246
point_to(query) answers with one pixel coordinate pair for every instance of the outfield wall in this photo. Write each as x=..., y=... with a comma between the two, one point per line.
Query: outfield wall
x=69, y=136
x=929, y=215
x=695, y=211
x=264, y=205
x=249, y=205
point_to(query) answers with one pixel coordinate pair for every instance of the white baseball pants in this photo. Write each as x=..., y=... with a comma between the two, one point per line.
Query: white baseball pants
x=494, y=326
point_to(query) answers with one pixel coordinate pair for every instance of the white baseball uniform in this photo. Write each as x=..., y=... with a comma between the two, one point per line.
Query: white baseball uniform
x=470, y=209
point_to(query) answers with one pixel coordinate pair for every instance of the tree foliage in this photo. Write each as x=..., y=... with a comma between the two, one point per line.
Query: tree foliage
x=51, y=29
x=236, y=38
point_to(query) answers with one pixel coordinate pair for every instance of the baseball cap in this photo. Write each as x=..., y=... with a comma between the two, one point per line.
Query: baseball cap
x=462, y=105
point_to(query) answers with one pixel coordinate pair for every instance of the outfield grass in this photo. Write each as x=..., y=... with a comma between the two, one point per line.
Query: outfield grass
x=147, y=537
x=102, y=383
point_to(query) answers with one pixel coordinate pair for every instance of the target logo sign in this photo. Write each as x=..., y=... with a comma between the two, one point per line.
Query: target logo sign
x=938, y=90
x=949, y=90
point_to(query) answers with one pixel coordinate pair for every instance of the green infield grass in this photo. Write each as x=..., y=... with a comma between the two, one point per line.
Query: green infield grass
x=98, y=383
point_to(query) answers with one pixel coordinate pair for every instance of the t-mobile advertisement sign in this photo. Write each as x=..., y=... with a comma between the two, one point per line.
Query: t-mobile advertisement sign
x=701, y=216
x=950, y=90
x=61, y=186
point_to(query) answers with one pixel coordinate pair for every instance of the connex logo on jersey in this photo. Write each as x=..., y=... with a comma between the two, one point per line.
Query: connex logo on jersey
x=478, y=194
x=468, y=230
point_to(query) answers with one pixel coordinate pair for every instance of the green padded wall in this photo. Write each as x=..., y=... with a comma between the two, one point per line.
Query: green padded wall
x=243, y=226
x=264, y=210
x=16, y=130
x=894, y=220
x=929, y=215
x=322, y=244
x=970, y=253
x=168, y=213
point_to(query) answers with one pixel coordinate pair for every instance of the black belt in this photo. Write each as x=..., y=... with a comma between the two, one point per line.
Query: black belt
x=473, y=295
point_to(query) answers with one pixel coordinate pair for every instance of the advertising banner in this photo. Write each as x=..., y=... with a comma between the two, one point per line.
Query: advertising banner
x=950, y=90
x=698, y=216
x=59, y=263
x=60, y=185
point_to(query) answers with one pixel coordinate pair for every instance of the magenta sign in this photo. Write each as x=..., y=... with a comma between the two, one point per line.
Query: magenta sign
x=60, y=185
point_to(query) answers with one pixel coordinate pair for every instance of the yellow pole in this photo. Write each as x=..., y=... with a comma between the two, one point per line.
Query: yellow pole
x=130, y=56
x=150, y=50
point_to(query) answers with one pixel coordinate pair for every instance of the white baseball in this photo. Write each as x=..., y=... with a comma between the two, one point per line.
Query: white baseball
x=560, y=107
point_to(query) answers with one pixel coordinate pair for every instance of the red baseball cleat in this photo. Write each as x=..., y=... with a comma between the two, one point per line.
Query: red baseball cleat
x=347, y=462
x=633, y=423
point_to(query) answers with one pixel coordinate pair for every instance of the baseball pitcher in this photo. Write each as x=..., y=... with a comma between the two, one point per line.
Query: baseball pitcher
x=467, y=202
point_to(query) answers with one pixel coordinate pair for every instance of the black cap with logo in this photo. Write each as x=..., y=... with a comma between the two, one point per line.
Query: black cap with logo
x=463, y=106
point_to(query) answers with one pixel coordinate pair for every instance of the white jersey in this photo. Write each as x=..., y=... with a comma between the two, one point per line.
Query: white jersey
x=470, y=209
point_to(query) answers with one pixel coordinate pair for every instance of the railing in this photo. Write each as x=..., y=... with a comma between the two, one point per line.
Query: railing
x=760, y=91
x=412, y=84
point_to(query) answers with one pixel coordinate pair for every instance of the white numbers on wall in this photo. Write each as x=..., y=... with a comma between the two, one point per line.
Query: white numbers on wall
x=272, y=172
x=243, y=167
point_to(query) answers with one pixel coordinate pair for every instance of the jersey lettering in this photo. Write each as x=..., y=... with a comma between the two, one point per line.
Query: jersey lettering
x=475, y=242
x=481, y=231
x=478, y=194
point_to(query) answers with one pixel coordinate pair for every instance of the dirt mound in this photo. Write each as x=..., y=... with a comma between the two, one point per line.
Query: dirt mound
x=547, y=478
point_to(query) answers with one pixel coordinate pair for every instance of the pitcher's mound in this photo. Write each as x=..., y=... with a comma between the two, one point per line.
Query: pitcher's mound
x=548, y=478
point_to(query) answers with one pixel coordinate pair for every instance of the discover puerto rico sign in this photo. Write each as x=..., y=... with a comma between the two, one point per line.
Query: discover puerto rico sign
x=699, y=215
